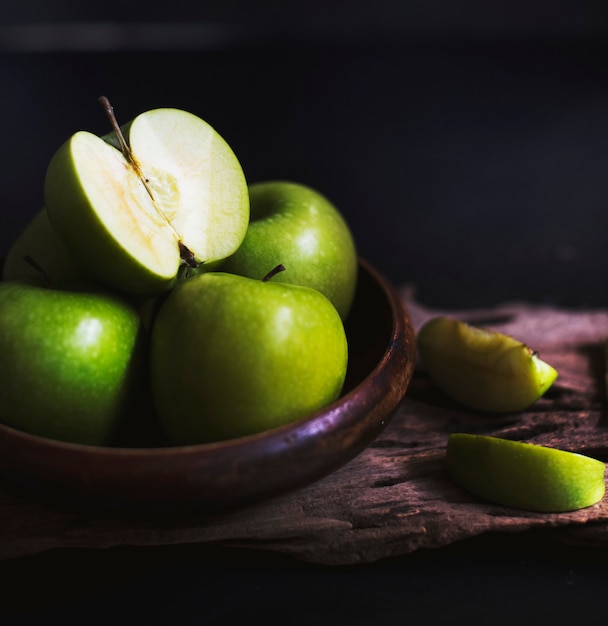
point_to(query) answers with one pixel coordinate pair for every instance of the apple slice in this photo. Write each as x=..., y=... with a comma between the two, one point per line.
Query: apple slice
x=524, y=475
x=135, y=208
x=481, y=368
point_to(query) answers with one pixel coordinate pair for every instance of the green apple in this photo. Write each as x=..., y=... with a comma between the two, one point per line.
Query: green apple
x=164, y=192
x=296, y=226
x=481, y=368
x=70, y=362
x=38, y=242
x=39, y=253
x=524, y=475
x=232, y=356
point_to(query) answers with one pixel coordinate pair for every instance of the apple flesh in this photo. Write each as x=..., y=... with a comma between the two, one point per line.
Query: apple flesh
x=174, y=194
x=70, y=362
x=481, y=368
x=232, y=356
x=524, y=475
x=298, y=227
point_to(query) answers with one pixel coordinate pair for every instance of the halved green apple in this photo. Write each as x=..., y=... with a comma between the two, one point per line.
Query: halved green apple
x=481, y=368
x=524, y=475
x=167, y=191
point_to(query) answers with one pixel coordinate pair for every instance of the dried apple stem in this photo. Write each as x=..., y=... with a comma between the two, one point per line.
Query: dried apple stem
x=273, y=272
x=185, y=253
x=38, y=268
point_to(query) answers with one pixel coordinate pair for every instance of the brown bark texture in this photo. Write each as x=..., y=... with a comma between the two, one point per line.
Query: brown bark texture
x=395, y=497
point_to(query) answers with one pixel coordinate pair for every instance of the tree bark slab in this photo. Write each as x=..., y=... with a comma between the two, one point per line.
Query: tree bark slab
x=395, y=497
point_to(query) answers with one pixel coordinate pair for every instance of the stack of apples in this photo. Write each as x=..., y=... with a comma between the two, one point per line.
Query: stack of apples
x=158, y=291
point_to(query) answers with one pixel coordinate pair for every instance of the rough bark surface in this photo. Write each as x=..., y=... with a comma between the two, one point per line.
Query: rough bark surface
x=395, y=497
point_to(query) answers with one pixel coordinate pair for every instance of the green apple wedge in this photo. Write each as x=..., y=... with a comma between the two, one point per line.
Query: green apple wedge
x=481, y=368
x=524, y=475
x=300, y=228
x=39, y=246
x=72, y=363
x=232, y=356
x=171, y=194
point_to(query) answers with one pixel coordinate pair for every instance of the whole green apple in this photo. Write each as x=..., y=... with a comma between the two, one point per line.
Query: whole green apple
x=167, y=192
x=294, y=225
x=42, y=244
x=70, y=362
x=39, y=252
x=231, y=356
x=524, y=475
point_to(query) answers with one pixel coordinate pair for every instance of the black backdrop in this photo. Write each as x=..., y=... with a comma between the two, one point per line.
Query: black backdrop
x=467, y=145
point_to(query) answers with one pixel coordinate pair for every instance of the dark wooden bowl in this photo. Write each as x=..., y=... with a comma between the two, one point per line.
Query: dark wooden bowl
x=235, y=473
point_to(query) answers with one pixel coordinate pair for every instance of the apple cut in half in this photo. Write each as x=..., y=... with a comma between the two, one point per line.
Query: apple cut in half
x=524, y=475
x=481, y=368
x=166, y=190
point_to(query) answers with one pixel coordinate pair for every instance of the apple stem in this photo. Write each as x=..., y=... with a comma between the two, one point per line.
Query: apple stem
x=33, y=263
x=273, y=272
x=124, y=146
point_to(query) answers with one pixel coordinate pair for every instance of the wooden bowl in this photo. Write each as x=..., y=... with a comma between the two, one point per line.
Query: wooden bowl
x=231, y=474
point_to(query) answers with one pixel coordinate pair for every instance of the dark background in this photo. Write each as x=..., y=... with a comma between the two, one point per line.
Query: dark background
x=467, y=145
x=465, y=142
